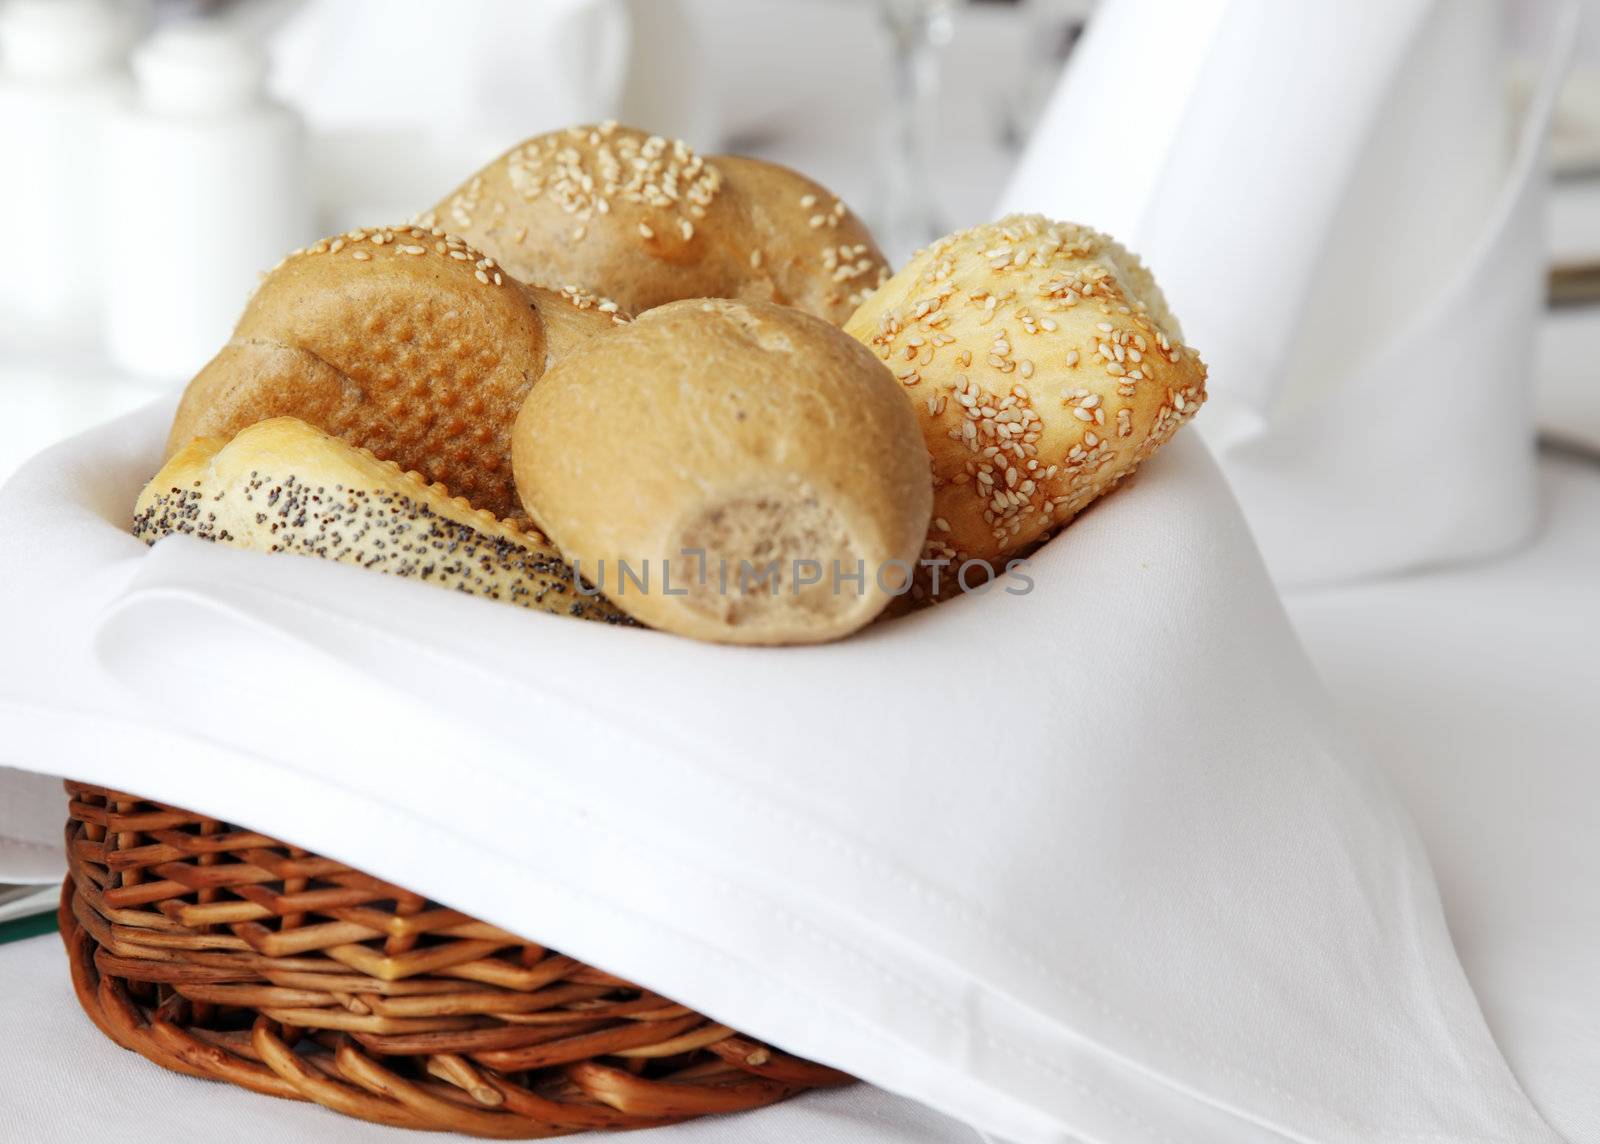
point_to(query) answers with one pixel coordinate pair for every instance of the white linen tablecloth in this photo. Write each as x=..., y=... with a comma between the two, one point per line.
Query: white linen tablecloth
x=1477, y=688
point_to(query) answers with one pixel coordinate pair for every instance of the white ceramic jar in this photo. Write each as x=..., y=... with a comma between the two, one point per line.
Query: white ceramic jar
x=207, y=182
x=62, y=75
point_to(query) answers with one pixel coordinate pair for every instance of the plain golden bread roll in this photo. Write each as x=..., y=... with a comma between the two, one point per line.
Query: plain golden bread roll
x=755, y=469
x=403, y=340
x=1043, y=365
x=648, y=221
x=283, y=486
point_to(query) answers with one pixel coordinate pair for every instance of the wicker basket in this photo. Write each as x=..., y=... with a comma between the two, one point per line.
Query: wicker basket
x=221, y=953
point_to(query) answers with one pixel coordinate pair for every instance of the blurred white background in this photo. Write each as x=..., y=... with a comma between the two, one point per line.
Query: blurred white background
x=143, y=135
x=167, y=151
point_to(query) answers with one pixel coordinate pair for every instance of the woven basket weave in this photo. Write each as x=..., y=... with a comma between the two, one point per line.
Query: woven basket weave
x=222, y=953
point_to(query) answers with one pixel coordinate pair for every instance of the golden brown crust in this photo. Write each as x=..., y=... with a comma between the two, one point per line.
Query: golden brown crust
x=403, y=340
x=1043, y=365
x=747, y=431
x=814, y=254
x=648, y=221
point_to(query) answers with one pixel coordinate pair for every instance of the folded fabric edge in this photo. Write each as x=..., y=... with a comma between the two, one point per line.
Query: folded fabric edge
x=1252, y=453
x=727, y=981
x=1035, y=1044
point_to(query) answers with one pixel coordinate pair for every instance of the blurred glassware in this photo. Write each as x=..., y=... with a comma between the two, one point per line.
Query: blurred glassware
x=909, y=216
x=204, y=164
x=1053, y=29
x=61, y=75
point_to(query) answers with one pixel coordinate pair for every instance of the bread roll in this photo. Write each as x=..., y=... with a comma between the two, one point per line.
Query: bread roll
x=283, y=486
x=755, y=434
x=403, y=340
x=648, y=221
x=1043, y=365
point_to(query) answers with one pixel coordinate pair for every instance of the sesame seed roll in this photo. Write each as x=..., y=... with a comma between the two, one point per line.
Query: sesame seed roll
x=647, y=221
x=1043, y=365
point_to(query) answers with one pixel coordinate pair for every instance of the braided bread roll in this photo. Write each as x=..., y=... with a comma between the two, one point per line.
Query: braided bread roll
x=1043, y=364
x=648, y=221
x=405, y=341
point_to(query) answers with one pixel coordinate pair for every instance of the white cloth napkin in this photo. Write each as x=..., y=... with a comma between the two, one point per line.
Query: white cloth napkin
x=1093, y=862
x=1332, y=199
x=1512, y=849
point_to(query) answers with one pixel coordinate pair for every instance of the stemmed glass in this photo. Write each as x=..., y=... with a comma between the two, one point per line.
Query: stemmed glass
x=918, y=30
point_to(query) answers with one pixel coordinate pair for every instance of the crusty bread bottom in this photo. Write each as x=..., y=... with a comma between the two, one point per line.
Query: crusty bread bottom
x=760, y=549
